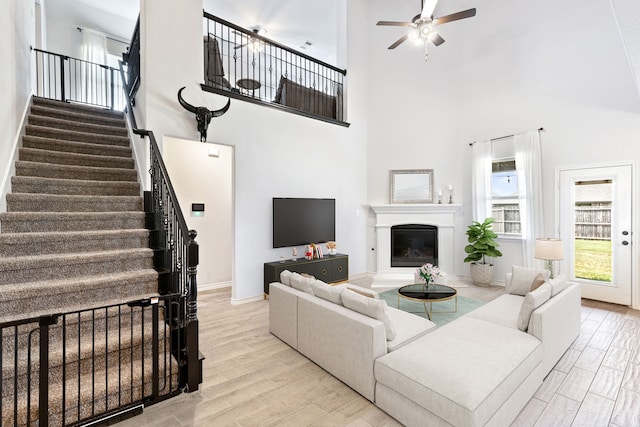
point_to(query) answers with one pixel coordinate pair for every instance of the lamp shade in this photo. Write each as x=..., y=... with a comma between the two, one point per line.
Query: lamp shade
x=548, y=249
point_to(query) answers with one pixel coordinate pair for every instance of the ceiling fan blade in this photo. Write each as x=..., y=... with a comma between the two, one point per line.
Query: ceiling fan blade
x=456, y=16
x=427, y=8
x=394, y=23
x=399, y=41
x=436, y=39
x=240, y=46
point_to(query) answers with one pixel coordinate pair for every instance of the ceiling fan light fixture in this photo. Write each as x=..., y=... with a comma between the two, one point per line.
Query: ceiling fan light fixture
x=425, y=30
x=414, y=34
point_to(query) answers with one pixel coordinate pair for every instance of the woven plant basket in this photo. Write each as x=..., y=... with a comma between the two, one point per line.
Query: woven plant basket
x=482, y=274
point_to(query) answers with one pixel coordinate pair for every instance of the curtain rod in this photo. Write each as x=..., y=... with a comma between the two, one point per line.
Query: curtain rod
x=503, y=137
x=80, y=29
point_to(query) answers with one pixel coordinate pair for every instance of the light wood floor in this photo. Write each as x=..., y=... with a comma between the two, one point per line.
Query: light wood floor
x=252, y=378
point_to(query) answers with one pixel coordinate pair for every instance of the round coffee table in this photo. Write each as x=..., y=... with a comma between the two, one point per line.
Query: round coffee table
x=429, y=294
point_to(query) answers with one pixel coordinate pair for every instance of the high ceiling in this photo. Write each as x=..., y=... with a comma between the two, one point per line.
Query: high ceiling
x=293, y=23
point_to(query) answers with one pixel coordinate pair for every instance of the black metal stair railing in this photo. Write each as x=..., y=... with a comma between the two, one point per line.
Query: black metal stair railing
x=245, y=65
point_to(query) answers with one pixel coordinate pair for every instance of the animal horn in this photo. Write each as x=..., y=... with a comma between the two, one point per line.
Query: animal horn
x=184, y=103
x=218, y=113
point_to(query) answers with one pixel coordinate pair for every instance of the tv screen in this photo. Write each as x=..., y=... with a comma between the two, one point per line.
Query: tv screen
x=302, y=221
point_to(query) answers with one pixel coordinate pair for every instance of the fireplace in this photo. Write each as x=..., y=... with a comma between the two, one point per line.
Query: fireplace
x=443, y=219
x=413, y=245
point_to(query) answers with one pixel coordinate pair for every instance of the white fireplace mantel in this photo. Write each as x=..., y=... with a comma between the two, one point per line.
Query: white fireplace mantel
x=442, y=216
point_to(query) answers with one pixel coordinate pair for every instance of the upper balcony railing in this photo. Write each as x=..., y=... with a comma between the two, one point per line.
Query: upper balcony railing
x=243, y=64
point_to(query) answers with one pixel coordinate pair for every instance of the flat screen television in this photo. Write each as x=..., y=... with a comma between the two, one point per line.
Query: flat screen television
x=299, y=221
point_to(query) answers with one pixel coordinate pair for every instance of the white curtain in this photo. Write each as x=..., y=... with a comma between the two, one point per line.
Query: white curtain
x=94, y=47
x=529, y=170
x=93, y=78
x=481, y=172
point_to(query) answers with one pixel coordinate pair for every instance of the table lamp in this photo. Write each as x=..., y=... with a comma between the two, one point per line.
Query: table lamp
x=549, y=250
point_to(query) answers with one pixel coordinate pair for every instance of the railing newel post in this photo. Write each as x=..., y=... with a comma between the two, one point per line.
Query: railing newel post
x=43, y=370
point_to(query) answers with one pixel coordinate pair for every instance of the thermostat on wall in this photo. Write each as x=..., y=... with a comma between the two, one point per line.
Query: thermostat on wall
x=197, y=207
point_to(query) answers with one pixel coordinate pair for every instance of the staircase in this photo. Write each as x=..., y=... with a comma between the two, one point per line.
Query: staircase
x=73, y=240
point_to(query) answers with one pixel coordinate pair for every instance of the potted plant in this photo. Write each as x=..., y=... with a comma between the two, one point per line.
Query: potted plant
x=482, y=244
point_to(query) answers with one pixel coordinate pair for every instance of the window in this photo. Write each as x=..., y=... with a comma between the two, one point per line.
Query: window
x=504, y=197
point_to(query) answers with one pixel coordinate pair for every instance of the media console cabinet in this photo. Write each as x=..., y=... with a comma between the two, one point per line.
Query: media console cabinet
x=330, y=269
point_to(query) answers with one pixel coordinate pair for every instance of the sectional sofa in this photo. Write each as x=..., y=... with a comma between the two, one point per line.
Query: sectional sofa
x=481, y=369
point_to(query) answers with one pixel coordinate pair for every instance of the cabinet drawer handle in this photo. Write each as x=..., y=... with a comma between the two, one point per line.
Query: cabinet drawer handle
x=340, y=269
x=324, y=272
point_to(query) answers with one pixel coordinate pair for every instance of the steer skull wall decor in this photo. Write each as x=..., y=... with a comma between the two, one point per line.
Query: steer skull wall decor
x=203, y=114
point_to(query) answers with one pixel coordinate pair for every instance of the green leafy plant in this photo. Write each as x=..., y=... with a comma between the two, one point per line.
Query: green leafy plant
x=481, y=242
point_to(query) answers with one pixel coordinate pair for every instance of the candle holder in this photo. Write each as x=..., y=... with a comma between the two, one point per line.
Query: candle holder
x=450, y=196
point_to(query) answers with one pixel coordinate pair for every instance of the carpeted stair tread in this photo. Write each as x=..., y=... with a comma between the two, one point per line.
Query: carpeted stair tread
x=71, y=125
x=74, y=159
x=29, y=244
x=49, y=170
x=29, y=202
x=33, y=222
x=77, y=108
x=78, y=115
x=39, y=185
x=43, y=298
x=43, y=143
x=23, y=269
x=71, y=135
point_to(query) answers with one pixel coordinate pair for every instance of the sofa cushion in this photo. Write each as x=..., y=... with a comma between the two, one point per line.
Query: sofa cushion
x=285, y=277
x=408, y=327
x=372, y=307
x=503, y=310
x=558, y=285
x=463, y=371
x=369, y=293
x=522, y=279
x=302, y=283
x=537, y=281
x=532, y=300
x=327, y=292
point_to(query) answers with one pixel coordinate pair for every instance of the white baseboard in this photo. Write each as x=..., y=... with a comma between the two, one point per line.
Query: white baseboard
x=361, y=276
x=5, y=185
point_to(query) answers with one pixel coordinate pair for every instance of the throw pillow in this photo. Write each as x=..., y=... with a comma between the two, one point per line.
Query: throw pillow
x=364, y=292
x=327, y=292
x=285, y=277
x=532, y=300
x=301, y=283
x=374, y=308
x=522, y=279
x=537, y=282
x=558, y=285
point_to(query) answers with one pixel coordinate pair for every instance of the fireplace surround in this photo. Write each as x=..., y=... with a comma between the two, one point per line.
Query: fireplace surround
x=442, y=217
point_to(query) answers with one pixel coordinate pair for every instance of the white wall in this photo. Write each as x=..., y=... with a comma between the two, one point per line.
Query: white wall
x=496, y=75
x=276, y=154
x=208, y=180
x=17, y=34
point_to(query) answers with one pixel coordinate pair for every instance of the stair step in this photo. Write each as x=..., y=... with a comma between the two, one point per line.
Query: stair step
x=77, y=115
x=74, y=159
x=77, y=108
x=34, y=222
x=72, y=125
x=92, y=173
x=72, y=135
x=30, y=141
x=24, y=269
x=37, y=185
x=28, y=202
x=31, y=244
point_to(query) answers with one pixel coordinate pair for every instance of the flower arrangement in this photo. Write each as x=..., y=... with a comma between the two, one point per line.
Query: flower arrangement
x=429, y=272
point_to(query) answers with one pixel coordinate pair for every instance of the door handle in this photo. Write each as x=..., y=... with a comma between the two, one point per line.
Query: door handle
x=625, y=243
x=625, y=233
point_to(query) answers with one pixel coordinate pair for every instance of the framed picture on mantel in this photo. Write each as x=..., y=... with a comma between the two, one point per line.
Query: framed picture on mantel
x=412, y=186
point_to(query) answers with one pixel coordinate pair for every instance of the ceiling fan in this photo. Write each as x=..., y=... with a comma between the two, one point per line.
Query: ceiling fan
x=252, y=42
x=421, y=27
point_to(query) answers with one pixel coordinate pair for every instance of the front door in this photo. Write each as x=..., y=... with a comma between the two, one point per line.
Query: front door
x=595, y=228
